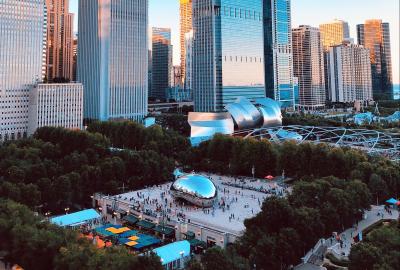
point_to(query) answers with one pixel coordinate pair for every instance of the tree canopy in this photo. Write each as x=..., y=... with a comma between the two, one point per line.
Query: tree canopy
x=34, y=244
x=380, y=249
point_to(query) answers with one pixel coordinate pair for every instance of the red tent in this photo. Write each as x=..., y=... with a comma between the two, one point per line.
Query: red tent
x=269, y=177
x=398, y=203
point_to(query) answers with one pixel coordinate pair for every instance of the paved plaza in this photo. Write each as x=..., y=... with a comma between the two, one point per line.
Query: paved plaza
x=238, y=199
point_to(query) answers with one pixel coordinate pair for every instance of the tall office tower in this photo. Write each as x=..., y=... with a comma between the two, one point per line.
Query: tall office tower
x=22, y=36
x=308, y=66
x=60, y=39
x=334, y=33
x=227, y=52
x=186, y=27
x=113, y=58
x=188, y=60
x=161, y=62
x=278, y=51
x=349, y=76
x=375, y=36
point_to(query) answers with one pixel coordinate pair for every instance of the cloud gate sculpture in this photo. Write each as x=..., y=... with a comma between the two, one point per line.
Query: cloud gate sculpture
x=196, y=189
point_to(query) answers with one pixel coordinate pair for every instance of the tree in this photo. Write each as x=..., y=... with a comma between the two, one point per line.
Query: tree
x=378, y=187
x=216, y=259
x=364, y=256
x=193, y=264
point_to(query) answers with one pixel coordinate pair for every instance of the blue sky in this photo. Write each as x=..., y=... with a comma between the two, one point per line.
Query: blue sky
x=165, y=13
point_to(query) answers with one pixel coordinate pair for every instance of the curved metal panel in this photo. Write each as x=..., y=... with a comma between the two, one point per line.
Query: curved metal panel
x=209, y=124
x=196, y=189
x=271, y=112
x=244, y=113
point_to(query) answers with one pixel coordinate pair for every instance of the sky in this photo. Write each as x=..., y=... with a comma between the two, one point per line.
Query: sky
x=165, y=13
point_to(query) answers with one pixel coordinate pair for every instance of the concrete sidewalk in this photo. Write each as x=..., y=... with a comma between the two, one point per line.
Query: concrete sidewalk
x=376, y=214
x=316, y=255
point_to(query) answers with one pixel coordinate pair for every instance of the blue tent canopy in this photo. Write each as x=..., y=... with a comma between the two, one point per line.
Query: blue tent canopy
x=173, y=252
x=76, y=218
x=392, y=201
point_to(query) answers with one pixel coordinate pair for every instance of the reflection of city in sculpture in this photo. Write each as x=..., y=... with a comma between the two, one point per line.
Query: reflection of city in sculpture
x=241, y=114
x=196, y=189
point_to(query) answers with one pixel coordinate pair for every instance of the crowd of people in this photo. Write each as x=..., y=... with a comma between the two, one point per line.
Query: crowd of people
x=238, y=198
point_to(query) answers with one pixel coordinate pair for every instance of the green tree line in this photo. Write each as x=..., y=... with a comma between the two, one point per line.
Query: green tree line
x=34, y=244
x=60, y=168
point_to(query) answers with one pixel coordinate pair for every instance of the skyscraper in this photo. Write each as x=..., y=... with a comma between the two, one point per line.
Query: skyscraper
x=186, y=27
x=227, y=52
x=162, y=68
x=75, y=59
x=278, y=51
x=349, y=76
x=334, y=33
x=375, y=36
x=189, y=60
x=60, y=39
x=22, y=58
x=308, y=66
x=113, y=58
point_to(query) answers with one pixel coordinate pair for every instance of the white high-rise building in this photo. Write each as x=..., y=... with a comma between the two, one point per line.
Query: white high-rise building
x=349, y=73
x=113, y=58
x=22, y=34
x=56, y=105
x=308, y=66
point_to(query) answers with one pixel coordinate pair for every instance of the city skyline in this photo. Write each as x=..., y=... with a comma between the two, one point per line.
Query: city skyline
x=165, y=13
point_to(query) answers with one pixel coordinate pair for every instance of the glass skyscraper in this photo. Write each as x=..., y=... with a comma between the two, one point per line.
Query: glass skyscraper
x=375, y=36
x=228, y=59
x=22, y=58
x=113, y=58
x=278, y=51
x=185, y=11
x=334, y=33
x=161, y=62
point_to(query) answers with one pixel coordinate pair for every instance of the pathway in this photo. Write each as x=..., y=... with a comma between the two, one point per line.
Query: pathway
x=377, y=213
